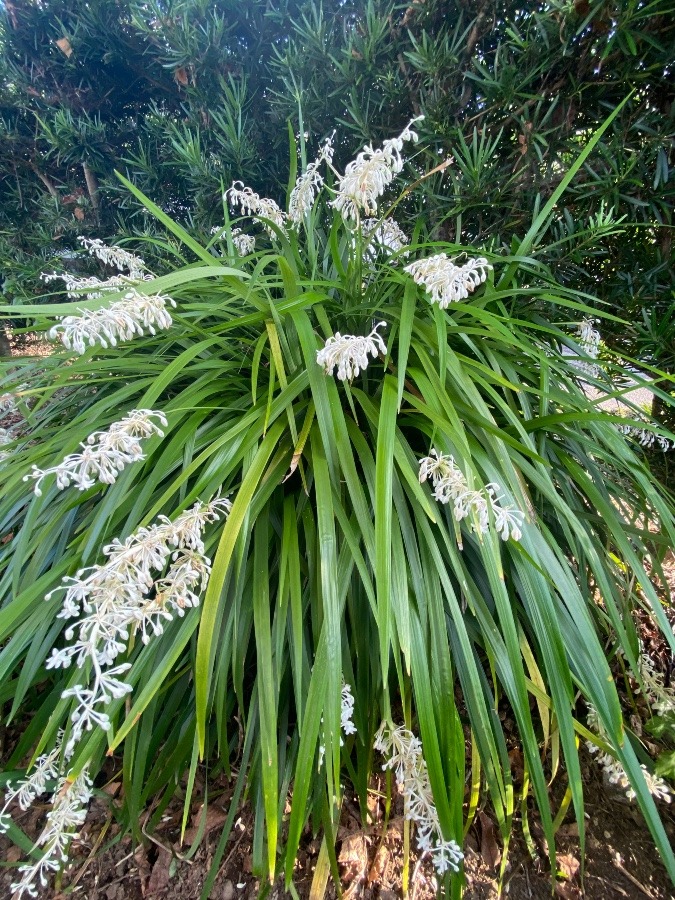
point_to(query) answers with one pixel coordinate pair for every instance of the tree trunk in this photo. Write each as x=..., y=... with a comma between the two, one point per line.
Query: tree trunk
x=92, y=187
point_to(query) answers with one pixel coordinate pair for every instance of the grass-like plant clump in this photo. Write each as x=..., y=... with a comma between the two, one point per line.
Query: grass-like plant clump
x=345, y=492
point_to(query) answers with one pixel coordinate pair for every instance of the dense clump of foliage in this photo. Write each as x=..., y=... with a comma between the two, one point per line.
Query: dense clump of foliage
x=187, y=94
x=341, y=483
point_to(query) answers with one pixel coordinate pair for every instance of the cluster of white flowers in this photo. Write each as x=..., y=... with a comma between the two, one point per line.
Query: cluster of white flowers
x=589, y=344
x=94, y=287
x=7, y=403
x=256, y=206
x=403, y=754
x=105, y=453
x=383, y=237
x=350, y=352
x=661, y=698
x=115, y=257
x=123, y=595
x=134, y=314
x=243, y=243
x=68, y=812
x=614, y=771
x=367, y=177
x=346, y=712
x=26, y=791
x=647, y=438
x=445, y=281
x=308, y=185
x=450, y=484
x=6, y=437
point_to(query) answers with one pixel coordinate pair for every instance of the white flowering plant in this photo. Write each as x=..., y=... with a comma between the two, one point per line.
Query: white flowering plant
x=303, y=483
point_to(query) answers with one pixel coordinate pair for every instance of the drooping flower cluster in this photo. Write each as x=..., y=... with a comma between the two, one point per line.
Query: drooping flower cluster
x=308, y=185
x=105, y=453
x=661, y=697
x=244, y=243
x=350, y=353
x=445, y=281
x=384, y=237
x=367, y=177
x=94, y=288
x=115, y=256
x=589, y=343
x=25, y=792
x=124, y=595
x=134, y=314
x=68, y=812
x=256, y=206
x=450, y=485
x=614, y=771
x=403, y=755
x=647, y=438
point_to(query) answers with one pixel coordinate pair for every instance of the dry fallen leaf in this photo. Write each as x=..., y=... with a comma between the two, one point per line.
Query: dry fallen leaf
x=160, y=877
x=64, y=46
x=489, y=849
x=214, y=818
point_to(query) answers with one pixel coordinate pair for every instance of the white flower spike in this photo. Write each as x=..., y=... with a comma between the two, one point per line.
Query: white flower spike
x=111, y=601
x=367, y=177
x=105, y=453
x=308, y=185
x=403, y=754
x=450, y=486
x=350, y=353
x=115, y=256
x=68, y=812
x=135, y=314
x=384, y=237
x=445, y=281
x=256, y=206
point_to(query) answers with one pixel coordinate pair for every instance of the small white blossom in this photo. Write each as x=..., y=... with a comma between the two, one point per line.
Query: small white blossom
x=445, y=281
x=135, y=314
x=367, y=177
x=383, y=237
x=308, y=185
x=114, y=256
x=68, y=812
x=350, y=353
x=105, y=453
x=121, y=596
x=450, y=486
x=256, y=206
x=403, y=754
